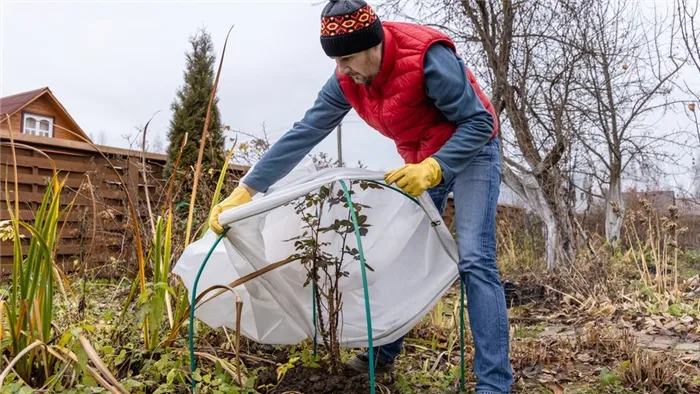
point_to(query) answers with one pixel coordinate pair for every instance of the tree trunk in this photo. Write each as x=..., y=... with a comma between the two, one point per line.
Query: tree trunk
x=614, y=206
x=558, y=231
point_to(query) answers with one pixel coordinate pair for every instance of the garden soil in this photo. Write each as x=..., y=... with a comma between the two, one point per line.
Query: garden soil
x=308, y=380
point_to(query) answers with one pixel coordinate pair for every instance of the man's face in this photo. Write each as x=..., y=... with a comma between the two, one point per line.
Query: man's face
x=363, y=66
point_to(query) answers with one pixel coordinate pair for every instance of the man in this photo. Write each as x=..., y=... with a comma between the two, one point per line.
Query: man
x=407, y=82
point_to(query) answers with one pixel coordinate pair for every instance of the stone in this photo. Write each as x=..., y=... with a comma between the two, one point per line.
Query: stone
x=668, y=341
x=551, y=331
x=688, y=347
x=644, y=339
x=657, y=345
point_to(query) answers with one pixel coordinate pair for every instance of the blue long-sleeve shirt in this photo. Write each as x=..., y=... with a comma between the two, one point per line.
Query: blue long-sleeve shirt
x=447, y=86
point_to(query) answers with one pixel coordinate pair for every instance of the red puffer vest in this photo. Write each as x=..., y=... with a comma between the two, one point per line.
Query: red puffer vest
x=395, y=102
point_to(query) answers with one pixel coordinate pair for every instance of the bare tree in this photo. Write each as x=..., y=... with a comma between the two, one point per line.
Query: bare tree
x=158, y=144
x=686, y=34
x=101, y=138
x=251, y=147
x=687, y=30
x=525, y=53
x=627, y=79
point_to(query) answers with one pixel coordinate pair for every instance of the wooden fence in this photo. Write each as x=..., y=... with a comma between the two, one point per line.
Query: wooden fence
x=91, y=178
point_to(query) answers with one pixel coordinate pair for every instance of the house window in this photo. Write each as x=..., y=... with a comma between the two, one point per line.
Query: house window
x=38, y=125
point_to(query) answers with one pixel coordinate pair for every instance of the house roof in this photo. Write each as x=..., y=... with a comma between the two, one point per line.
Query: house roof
x=10, y=105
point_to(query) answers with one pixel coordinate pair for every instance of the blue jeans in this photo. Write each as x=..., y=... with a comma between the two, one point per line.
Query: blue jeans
x=476, y=193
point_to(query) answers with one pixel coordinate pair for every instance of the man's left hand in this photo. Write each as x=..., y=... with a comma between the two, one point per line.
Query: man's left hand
x=415, y=179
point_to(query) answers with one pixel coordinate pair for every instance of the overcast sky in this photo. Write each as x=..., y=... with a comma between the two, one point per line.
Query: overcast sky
x=113, y=64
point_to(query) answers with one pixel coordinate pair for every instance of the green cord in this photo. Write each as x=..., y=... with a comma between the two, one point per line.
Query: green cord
x=313, y=308
x=193, y=362
x=397, y=190
x=364, y=285
x=461, y=334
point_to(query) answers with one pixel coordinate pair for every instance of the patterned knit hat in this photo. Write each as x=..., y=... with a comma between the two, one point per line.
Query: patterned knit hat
x=349, y=26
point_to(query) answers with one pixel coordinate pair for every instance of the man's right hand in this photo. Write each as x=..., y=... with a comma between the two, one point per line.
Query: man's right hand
x=239, y=196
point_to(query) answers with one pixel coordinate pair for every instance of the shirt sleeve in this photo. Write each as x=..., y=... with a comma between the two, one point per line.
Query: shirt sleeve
x=318, y=122
x=447, y=86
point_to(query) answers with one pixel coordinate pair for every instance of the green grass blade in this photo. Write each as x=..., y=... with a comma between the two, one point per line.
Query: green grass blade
x=219, y=186
x=157, y=250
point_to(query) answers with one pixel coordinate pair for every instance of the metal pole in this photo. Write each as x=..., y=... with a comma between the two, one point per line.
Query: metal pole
x=340, y=145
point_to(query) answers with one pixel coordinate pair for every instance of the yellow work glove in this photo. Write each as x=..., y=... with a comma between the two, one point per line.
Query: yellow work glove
x=414, y=179
x=239, y=196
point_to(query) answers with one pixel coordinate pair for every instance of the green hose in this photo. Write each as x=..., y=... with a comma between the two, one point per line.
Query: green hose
x=193, y=362
x=364, y=285
x=366, y=292
x=313, y=311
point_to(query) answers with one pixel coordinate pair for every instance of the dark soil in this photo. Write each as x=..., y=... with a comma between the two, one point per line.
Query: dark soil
x=308, y=380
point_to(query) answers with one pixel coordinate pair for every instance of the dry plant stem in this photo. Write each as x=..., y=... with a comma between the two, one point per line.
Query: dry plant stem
x=223, y=288
x=94, y=222
x=239, y=311
x=145, y=176
x=48, y=386
x=3, y=306
x=38, y=343
x=169, y=202
x=564, y=294
x=92, y=354
x=676, y=291
x=647, y=274
x=14, y=165
x=37, y=322
x=224, y=363
x=55, y=249
x=198, y=167
x=168, y=198
x=90, y=370
x=231, y=345
x=169, y=309
x=14, y=361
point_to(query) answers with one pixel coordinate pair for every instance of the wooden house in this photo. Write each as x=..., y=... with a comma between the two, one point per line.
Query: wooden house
x=38, y=112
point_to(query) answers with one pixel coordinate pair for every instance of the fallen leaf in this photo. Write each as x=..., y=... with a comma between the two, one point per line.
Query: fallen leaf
x=584, y=358
x=556, y=388
x=570, y=367
x=666, y=332
x=546, y=378
x=532, y=370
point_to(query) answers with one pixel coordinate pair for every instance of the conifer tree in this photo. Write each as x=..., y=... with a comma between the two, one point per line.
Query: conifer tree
x=190, y=109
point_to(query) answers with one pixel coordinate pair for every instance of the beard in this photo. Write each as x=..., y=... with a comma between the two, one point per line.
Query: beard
x=362, y=80
x=372, y=67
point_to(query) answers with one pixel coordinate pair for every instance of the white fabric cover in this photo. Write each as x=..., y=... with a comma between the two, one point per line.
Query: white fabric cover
x=413, y=262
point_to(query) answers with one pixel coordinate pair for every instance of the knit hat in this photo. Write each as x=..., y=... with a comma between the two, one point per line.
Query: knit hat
x=349, y=26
